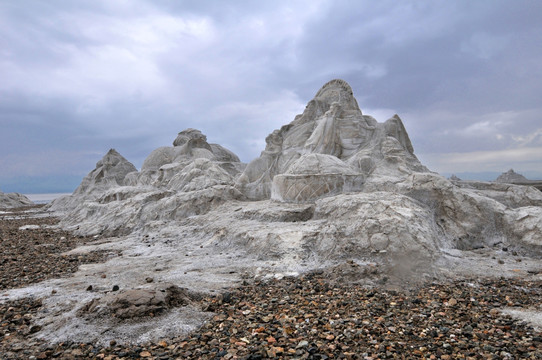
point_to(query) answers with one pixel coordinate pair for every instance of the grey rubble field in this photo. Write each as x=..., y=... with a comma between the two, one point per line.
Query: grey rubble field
x=333, y=185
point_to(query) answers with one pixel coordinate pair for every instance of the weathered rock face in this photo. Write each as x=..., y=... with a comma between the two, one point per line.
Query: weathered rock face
x=313, y=176
x=208, y=164
x=333, y=125
x=13, y=200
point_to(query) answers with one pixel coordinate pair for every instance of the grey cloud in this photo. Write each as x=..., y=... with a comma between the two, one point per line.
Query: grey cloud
x=81, y=77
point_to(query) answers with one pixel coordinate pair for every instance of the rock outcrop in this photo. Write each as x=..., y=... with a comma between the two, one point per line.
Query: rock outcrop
x=136, y=303
x=332, y=124
x=189, y=178
x=110, y=172
x=13, y=200
x=330, y=156
x=511, y=177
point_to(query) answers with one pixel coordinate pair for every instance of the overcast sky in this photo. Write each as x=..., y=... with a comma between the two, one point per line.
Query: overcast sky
x=80, y=77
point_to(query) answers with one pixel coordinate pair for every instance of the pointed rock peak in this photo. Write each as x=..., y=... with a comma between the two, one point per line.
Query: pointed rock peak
x=395, y=128
x=333, y=127
x=110, y=171
x=113, y=152
x=189, y=134
x=112, y=158
x=454, y=178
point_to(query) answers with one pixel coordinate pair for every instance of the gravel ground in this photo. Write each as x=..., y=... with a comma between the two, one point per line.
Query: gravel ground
x=35, y=254
x=308, y=317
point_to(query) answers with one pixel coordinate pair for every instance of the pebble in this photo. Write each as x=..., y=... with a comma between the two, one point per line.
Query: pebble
x=327, y=321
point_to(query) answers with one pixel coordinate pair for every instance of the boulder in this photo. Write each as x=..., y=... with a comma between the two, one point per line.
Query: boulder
x=524, y=229
x=368, y=225
x=136, y=303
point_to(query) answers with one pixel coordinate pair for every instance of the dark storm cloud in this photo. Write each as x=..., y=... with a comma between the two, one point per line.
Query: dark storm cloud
x=81, y=77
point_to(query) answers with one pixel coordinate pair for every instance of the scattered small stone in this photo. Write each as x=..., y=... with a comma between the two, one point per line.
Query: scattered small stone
x=89, y=288
x=115, y=288
x=494, y=312
x=35, y=254
x=34, y=329
x=452, y=302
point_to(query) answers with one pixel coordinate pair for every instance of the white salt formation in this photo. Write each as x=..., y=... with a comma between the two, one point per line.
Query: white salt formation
x=13, y=200
x=331, y=147
x=332, y=185
x=110, y=172
x=330, y=157
x=511, y=177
